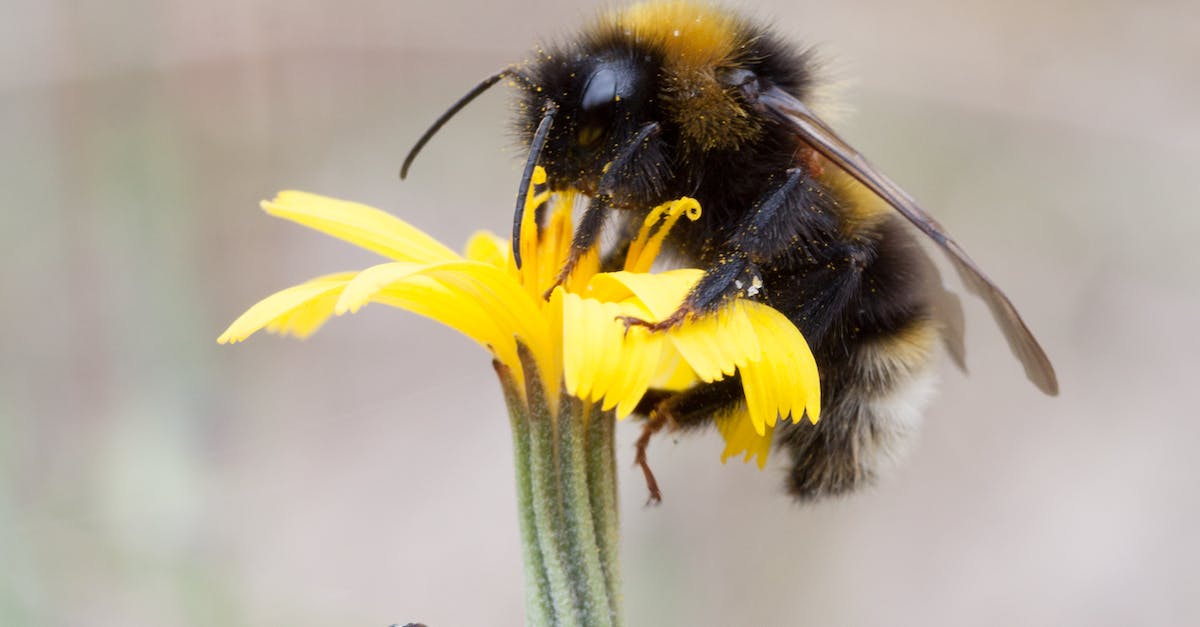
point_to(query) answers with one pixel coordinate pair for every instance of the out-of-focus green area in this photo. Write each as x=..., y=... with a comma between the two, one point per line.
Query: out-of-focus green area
x=149, y=476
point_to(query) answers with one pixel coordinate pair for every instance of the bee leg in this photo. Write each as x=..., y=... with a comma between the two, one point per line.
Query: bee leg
x=681, y=411
x=653, y=425
x=732, y=275
x=586, y=234
x=772, y=227
x=592, y=221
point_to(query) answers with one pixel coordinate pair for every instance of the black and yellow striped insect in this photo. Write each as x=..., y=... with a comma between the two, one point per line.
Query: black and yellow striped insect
x=666, y=99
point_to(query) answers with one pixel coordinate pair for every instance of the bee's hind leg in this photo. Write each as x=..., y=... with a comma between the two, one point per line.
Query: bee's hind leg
x=654, y=424
x=689, y=409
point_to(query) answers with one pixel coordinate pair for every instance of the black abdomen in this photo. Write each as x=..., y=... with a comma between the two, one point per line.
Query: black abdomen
x=873, y=346
x=856, y=286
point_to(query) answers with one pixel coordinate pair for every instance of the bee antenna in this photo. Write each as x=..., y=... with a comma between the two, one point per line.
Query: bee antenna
x=535, y=151
x=455, y=108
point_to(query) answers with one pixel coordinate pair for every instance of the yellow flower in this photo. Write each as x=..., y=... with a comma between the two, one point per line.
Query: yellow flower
x=574, y=337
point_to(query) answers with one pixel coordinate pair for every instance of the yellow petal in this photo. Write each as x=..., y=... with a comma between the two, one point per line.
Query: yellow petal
x=601, y=362
x=584, y=322
x=702, y=352
x=626, y=373
x=673, y=373
x=496, y=292
x=741, y=437
x=479, y=300
x=642, y=367
x=762, y=404
x=553, y=243
x=488, y=248
x=574, y=326
x=428, y=297
x=553, y=375
x=784, y=382
x=511, y=307
x=715, y=345
x=660, y=293
x=360, y=225
x=298, y=310
x=371, y=281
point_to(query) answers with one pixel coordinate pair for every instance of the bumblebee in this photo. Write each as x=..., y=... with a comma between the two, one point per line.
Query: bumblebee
x=667, y=99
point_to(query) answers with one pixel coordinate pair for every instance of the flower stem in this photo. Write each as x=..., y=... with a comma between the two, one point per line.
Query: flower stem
x=538, y=605
x=566, y=495
x=602, y=482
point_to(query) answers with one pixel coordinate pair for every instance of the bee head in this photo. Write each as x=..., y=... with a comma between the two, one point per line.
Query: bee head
x=598, y=137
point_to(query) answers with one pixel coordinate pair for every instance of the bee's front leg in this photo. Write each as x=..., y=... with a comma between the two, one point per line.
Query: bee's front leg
x=586, y=234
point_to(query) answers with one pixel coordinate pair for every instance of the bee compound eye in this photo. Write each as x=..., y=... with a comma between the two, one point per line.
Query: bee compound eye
x=600, y=91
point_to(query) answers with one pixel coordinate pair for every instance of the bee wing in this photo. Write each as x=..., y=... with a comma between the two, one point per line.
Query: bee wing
x=812, y=130
x=948, y=312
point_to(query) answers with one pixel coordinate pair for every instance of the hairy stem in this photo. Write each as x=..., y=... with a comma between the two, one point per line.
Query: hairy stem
x=566, y=495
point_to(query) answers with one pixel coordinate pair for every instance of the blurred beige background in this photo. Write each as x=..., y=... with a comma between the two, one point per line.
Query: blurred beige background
x=151, y=477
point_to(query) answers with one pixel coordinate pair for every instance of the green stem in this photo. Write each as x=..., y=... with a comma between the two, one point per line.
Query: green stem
x=602, y=481
x=566, y=495
x=583, y=549
x=537, y=587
